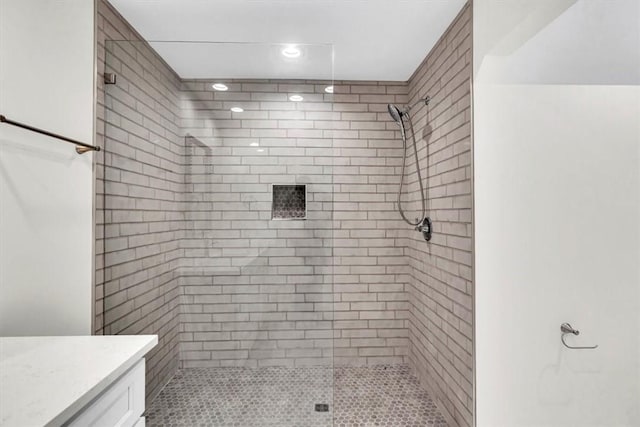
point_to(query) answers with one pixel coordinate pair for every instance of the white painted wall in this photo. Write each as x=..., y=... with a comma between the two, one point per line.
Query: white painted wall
x=557, y=211
x=46, y=189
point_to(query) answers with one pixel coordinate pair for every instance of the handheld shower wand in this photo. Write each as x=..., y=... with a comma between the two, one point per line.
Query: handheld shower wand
x=422, y=224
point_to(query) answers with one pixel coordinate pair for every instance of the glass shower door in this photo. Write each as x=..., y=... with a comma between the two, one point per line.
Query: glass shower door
x=218, y=207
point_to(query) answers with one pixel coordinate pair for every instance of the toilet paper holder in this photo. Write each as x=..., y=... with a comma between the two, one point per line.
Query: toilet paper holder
x=566, y=328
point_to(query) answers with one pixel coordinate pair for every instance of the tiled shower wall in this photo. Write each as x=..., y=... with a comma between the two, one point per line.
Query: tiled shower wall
x=187, y=221
x=261, y=292
x=441, y=287
x=139, y=215
x=255, y=291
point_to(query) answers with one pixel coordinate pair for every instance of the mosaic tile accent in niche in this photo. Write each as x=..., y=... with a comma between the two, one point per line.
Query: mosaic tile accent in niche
x=287, y=397
x=289, y=202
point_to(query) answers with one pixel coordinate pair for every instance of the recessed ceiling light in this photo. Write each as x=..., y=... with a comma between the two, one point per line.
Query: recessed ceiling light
x=237, y=109
x=219, y=86
x=328, y=89
x=254, y=144
x=296, y=98
x=291, y=52
x=260, y=150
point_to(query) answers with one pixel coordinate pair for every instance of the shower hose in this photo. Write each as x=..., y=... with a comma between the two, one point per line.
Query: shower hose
x=402, y=175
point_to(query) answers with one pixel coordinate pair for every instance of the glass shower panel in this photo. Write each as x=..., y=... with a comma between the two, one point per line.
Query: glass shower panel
x=140, y=203
x=218, y=224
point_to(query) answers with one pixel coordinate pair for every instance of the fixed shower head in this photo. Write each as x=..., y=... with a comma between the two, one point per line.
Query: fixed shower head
x=395, y=113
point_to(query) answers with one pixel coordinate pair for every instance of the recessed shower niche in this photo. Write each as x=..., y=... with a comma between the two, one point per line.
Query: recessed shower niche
x=289, y=201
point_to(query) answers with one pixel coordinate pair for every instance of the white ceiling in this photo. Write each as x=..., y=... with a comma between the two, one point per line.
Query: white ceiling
x=371, y=39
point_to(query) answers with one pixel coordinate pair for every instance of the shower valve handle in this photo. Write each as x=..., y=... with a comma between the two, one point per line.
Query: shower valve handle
x=424, y=227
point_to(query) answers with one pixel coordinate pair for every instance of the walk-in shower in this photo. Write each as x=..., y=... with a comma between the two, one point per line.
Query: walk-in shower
x=248, y=217
x=423, y=223
x=242, y=209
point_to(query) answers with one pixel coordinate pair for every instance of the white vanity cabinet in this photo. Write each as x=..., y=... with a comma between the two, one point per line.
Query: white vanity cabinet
x=122, y=404
x=81, y=381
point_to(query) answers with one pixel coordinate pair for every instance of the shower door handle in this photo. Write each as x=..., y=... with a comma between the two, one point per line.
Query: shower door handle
x=566, y=328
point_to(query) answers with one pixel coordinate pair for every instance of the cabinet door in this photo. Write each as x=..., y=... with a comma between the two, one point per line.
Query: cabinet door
x=120, y=405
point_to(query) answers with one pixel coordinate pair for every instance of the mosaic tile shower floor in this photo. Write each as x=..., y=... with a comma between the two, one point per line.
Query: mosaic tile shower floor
x=286, y=397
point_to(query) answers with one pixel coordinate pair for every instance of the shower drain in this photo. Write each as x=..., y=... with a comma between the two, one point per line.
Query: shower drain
x=322, y=407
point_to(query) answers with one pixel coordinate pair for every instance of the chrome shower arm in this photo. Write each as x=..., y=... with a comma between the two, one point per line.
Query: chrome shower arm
x=424, y=101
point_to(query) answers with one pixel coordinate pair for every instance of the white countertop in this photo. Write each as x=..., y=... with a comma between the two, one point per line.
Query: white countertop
x=46, y=380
